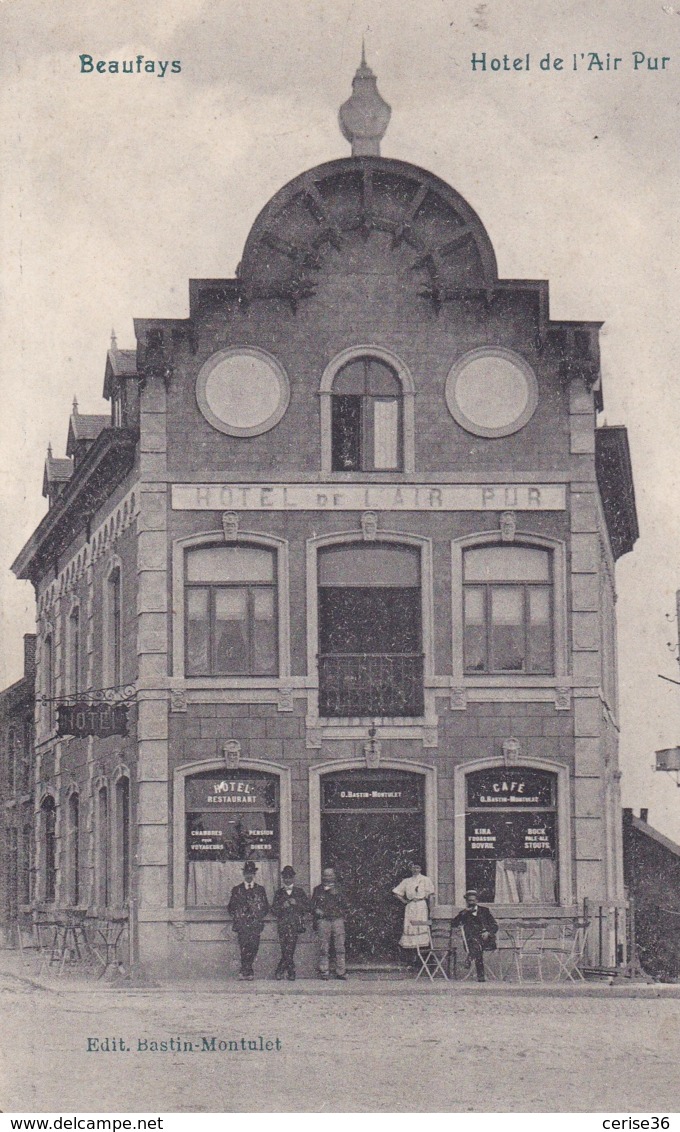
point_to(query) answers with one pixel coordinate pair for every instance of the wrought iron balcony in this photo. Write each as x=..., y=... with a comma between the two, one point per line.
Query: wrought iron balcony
x=371, y=684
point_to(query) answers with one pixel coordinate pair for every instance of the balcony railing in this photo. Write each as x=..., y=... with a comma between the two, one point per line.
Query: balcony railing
x=371, y=684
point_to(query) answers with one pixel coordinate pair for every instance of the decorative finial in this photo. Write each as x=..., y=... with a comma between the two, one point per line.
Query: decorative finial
x=365, y=116
x=114, y=340
x=75, y=405
x=49, y=450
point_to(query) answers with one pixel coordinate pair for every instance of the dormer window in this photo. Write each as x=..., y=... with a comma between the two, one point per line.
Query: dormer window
x=366, y=417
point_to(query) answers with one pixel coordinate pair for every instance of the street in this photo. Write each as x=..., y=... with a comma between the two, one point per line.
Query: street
x=360, y=1046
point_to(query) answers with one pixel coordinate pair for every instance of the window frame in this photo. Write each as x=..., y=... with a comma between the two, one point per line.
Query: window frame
x=207, y=539
x=566, y=895
x=366, y=431
x=212, y=589
x=73, y=848
x=120, y=819
x=474, y=684
x=48, y=845
x=112, y=636
x=523, y=587
x=102, y=844
x=407, y=413
x=75, y=652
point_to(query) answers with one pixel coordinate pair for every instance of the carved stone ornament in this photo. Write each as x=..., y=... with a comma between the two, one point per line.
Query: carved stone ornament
x=285, y=701
x=508, y=526
x=562, y=699
x=430, y=737
x=231, y=752
x=369, y=525
x=458, y=699
x=178, y=699
x=179, y=930
x=372, y=751
x=511, y=751
x=230, y=521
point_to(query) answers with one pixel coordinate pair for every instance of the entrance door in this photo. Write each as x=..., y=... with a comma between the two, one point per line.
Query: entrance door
x=372, y=826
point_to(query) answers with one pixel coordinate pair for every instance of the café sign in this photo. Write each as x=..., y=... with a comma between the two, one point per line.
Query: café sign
x=511, y=787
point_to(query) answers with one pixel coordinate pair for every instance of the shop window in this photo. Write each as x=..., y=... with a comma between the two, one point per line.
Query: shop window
x=122, y=839
x=508, y=610
x=48, y=813
x=511, y=835
x=230, y=818
x=366, y=417
x=73, y=850
x=74, y=657
x=370, y=631
x=113, y=643
x=102, y=846
x=231, y=612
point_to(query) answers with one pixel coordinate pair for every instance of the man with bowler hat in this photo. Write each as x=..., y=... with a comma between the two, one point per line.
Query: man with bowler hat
x=248, y=906
x=479, y=931
x=290, y=907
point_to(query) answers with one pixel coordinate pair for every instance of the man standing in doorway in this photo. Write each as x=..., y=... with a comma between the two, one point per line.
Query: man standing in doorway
x=329, y=908
x=248, y=906
x=290, y=907
x=479, y=931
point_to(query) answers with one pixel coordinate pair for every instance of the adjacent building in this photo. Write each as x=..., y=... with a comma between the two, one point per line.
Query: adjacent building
x=343, y=553
x=17, y=705
x=651, y=869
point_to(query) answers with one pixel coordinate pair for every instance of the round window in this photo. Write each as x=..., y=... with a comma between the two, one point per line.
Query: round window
x=243, y=391
x=491, y=392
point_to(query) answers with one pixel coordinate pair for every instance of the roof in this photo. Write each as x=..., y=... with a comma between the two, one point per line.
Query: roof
x=56, y=471
x=119, y=363
x=85, y=426
x=615, y=481
x=654, y=835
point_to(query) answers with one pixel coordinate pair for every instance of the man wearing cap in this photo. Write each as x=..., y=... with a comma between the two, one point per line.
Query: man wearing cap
x=290, y=906
x=248, y=906
x=329, y=907
x=479, y=931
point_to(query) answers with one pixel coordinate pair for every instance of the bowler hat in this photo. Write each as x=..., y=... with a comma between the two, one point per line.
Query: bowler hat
x=470, y=892
x=250, y=867
x=288, y=871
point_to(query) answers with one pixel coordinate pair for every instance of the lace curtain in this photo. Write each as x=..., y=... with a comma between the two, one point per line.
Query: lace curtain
x=525, y=881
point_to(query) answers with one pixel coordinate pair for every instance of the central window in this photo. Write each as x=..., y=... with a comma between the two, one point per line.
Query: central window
x=366, y=417
x=370, y=631
x=231, y=612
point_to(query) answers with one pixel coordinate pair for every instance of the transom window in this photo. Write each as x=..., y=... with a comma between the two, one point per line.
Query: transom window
x=231, y=612
x=366, y=421
x=507, y=600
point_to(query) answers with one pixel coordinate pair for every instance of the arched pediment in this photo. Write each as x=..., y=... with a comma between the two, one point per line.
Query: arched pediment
x=343, y=215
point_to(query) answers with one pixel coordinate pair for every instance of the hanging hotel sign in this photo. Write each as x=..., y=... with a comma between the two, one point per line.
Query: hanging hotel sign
x=98, y=719
x=368, y=497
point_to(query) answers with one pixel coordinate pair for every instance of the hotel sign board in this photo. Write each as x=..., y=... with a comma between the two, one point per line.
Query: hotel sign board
x=99, y=719
x=368, y=497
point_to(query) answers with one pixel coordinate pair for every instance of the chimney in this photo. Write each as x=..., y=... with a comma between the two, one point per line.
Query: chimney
x=644, y=814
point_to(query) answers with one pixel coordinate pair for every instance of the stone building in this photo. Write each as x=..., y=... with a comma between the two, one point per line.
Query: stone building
x=346, y=546
x=16, y=796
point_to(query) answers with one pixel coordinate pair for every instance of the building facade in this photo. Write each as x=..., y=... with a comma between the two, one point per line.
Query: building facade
x=346, y=547
x=17, y=705
x=651, y=871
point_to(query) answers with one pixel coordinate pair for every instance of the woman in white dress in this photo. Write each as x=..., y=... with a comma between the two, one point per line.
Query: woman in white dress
x=416, y=893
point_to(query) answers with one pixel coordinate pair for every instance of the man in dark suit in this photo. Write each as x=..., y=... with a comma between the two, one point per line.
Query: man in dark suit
x=248, y=906
x=479, y=931
x=290, y=907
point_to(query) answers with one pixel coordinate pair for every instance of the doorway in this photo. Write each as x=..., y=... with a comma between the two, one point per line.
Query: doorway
x=372, y=826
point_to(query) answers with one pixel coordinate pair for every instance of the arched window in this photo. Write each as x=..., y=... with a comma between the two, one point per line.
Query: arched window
x=25, y=861
x=508, y=610
x=10, y=764
x=26, y=758
x=102, y=846
x=113, y=642
x=231, y=616
x=48, y=681
x=74, y=653
x=370, y=630
x=48, y=813
x=73, y=849
x=511, y=835
x=366, y=417
x=122, y=840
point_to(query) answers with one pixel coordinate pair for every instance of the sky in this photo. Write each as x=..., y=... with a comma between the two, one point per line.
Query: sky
x=118, y=188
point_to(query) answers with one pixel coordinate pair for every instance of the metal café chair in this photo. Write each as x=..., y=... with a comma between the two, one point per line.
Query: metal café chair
x=568, y=950
x=436, y=955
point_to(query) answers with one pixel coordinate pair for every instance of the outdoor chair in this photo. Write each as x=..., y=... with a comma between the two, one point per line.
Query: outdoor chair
x=439, y=955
